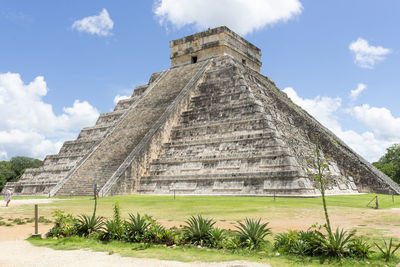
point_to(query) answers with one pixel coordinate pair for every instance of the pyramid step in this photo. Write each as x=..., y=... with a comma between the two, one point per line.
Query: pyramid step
x=97, y=131
x=192, y=125
x=235, y=128
x=215, y=158
x=204, y=101
x=110, y=117
x=78, y=146
x=288, y=175
x=214, y=139
x=221, y=149
x=124, y=104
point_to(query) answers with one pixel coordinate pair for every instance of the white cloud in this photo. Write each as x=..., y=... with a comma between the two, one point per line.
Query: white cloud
x=242, y=16
x=28, y=125
x=365, y=55
x=323, y=108
x=356, y=92
x=380, y=120
x=384, y=129
x=100, y=25
x=118, y=97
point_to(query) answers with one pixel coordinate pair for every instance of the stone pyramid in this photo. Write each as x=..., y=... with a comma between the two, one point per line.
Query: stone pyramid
x=210, y=125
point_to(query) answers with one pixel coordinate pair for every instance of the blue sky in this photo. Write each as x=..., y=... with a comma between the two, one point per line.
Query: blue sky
x=64, y=62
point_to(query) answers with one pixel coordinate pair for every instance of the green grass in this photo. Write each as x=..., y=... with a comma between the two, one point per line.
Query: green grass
x=191, y=254
x=222, y=208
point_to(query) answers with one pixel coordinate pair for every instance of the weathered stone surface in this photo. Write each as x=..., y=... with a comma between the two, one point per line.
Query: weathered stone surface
x=216, y=127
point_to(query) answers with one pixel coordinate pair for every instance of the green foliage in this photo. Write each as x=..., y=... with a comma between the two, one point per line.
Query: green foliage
x=158, y=234
x=11, y=171
x=87, y=225
x=113, y=229
x=389, y=163
x=359, y=248
x=317, y=244
x=252, y=233
x=336, y=244
x=20, y=164
x=197, y=231
x=136, y=227
x=388, y=250
x=302, y=243
x=217, y=237
x=320, y=178
x=64, y=225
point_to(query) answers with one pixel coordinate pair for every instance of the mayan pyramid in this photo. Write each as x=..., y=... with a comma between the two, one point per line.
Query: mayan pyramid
x=209, y=125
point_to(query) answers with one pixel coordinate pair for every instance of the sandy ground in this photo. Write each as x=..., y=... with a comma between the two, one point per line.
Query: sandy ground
x=22, y=253
x=15, y=251
x=18, y=202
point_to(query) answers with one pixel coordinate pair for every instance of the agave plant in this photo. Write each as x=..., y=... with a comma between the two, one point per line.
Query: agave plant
x=217, y=237
x=87, y=225
x=197, y=230
x=336, y=244
x=388, y=250
x=136, y=227
x=360, y=248
x=252, y=232
x=112, y=230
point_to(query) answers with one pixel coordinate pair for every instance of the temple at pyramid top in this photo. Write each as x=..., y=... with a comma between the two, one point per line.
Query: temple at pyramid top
x=215, y=42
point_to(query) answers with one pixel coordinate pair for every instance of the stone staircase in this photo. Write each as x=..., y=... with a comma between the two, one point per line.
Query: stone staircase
x=55, y=168
x=225, y=144
x=126, y=135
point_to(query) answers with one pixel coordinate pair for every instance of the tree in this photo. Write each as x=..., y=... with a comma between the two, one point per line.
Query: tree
x=389, y=163
x=321, y=181
x=20, y=164
x=11, y=171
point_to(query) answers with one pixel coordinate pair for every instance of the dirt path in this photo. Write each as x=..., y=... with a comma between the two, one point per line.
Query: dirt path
x=21, y=253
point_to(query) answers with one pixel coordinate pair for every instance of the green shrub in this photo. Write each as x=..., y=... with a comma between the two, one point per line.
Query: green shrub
x=136, y=227
x=197, y=231
x=113, y=229
x=302, y=243
x=234, y=244
x=336, y=244
x=388, y=250
x=88, y=225
x=158, y=234
x=252, y=233
x=217, y=238
x=64, y=224
x=359, y=248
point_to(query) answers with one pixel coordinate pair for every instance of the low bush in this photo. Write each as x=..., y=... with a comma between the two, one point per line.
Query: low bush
x=197, y=231
x=336, y=244
x=88, y=225
x=136, y=227
x=252, y=233
x=217, y=238
x=64, y=225
x=315, y=243
x=388, y=250
x=113, y=229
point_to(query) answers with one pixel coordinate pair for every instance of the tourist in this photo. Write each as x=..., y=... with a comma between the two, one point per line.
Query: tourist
x=8, y=196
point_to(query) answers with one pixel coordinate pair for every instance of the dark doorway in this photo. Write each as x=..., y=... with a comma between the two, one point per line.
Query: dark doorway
x=194, y=59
